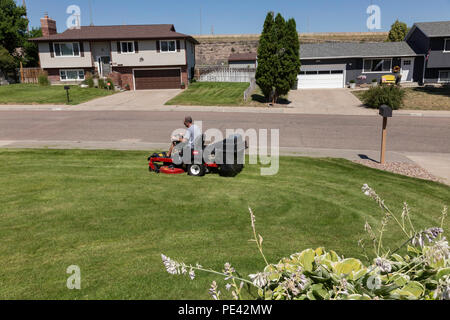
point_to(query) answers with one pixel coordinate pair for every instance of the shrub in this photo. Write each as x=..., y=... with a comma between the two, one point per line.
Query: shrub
x=389, y=95
x=109, y=84
x=89, y=81
x=43, y=79
x=374, y=80
x=352, y=81
x=422, y=273
x=102, y=84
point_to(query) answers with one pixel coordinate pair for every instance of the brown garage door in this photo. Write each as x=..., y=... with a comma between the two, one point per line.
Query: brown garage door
x=157, y=79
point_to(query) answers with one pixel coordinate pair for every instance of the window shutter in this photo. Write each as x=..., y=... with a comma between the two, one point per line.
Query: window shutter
x=136, y=47
x=178, y=46
x=81, y=49
x=158, y=48
x=118, y=47
x=52, y=52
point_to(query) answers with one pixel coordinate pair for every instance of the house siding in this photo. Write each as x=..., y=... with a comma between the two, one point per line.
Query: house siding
x=354, y=68
x=438, y=58
x=55, y=78
x=242, y=64
x=48, y=62
x=419, y=42
x=147, y=56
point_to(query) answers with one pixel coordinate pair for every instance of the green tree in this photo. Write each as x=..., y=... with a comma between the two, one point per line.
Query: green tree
x=7, y=61
x=398, y=32
x=278, y=57
x=288, y=55
x=13, y=25
x=267, y=61
x=31, y=51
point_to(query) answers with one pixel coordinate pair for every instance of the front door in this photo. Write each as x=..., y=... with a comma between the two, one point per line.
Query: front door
x=104, y=65
x=407, y=69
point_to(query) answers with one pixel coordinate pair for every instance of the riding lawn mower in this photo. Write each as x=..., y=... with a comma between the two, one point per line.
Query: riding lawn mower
x=225, y=158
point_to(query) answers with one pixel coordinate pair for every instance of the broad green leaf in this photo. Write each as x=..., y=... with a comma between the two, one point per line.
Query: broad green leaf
x=442, y=272
x=415, y=288
x=347, y=267
x=307, y=258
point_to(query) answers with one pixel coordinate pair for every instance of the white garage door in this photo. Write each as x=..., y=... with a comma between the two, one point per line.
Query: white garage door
x=321, y=79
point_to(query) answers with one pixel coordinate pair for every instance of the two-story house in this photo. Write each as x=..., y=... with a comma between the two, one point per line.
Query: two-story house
x=134, y=56
x=432, y=39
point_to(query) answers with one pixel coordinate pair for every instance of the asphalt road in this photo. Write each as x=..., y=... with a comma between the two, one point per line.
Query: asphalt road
x=405, y=133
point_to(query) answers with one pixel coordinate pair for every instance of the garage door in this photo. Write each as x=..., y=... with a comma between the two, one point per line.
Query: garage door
x=327, y=79
x=157, y=79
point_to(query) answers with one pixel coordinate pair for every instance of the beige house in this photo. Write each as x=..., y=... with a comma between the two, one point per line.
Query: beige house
x=134, y=56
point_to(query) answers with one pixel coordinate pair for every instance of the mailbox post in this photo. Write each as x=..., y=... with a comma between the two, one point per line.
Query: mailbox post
x=385, y=112
x=67, y=88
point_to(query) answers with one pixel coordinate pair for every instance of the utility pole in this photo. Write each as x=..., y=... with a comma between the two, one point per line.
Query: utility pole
x=90, y=13
x=201, y=31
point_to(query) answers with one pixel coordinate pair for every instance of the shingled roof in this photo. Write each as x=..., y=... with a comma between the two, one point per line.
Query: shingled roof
x=242, y=57
x=355, y=50
x=434, y=29
x=125, y=32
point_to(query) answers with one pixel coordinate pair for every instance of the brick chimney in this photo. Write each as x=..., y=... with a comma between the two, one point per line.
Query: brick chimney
x=48, y=26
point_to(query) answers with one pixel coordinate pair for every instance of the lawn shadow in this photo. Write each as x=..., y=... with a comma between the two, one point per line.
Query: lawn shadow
x=439, y=91
x=256, y=97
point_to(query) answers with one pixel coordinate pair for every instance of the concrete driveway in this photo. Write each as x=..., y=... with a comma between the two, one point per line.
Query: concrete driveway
x=140, y=100
x=327, y=101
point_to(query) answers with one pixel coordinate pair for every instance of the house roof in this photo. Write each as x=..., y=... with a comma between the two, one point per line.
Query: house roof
x=242, y=57
x=355, y=50
x=434, y=29
x=125, y=32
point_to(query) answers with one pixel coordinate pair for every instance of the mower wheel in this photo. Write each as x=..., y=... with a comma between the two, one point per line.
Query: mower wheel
x=196, y=170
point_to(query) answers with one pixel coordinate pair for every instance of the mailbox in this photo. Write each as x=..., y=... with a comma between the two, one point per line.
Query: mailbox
x=67, y=88
x=385, y=111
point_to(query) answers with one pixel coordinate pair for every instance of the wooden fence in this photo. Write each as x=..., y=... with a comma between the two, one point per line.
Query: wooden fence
x=29, y=75
x=224, y=74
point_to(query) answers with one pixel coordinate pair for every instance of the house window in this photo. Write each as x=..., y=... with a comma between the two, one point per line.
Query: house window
x=67, y=49
x=444, y=76
x=71, y=75
x=447, y=45
x=127, y=46
x=168, y=46
x=377, y=65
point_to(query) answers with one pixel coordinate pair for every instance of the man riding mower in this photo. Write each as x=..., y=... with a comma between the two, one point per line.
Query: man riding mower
x=225, y=157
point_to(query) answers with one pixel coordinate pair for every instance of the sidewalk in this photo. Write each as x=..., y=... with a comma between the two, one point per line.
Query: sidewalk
x=241, y=109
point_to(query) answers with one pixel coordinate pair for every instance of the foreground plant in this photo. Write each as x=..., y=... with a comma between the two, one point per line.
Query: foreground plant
x=423, y=272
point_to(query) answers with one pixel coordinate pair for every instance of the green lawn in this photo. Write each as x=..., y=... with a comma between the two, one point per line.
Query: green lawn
x=35, y=94
x=103, y=211
x=423, y=98
x=211, y=94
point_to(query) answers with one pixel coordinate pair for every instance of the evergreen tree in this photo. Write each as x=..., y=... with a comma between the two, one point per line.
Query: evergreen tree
x=288, y=55
x=267, y=61
x=398, y=32
x=278, y=57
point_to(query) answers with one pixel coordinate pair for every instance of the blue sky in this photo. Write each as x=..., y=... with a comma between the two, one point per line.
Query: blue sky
x=241, y=16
